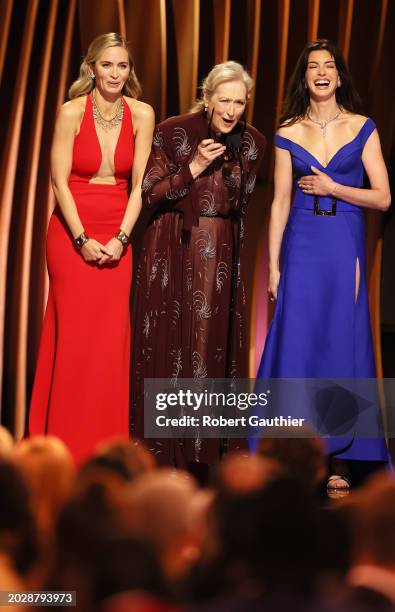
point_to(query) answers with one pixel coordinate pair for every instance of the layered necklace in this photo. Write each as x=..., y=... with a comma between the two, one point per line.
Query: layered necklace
x=107, y=124
x=325, y=122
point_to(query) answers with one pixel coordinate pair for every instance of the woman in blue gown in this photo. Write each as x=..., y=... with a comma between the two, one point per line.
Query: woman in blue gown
x=317, y=260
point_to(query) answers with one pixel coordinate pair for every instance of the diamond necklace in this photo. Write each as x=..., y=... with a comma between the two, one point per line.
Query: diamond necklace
x=323, y=123
x=107, y=124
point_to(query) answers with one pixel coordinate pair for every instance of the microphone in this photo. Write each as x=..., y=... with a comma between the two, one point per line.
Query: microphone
x=233, y=140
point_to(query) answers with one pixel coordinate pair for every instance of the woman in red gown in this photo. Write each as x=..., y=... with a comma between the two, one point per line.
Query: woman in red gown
x=81, y=388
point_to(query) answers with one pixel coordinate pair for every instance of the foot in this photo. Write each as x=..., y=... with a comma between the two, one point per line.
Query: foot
x=338, y=486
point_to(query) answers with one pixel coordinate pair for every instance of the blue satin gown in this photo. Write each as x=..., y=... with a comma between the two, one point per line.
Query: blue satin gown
x=321, y=329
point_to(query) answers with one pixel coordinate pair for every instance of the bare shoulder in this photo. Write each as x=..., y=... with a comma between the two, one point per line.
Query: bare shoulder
x=290, y=130
x=141, y=111
x=71, y=112
x=73, y=108
x=354, y=121
x=355, y=118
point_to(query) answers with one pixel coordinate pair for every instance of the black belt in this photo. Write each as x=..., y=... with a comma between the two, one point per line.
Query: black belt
x=319, y=211
x=229, y=215
x=232, y=214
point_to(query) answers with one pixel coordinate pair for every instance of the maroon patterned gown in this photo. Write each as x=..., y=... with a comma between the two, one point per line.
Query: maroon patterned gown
x=183, y=283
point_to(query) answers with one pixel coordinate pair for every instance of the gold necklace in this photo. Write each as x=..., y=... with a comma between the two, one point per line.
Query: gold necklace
x=323, y=123
x=107, y=124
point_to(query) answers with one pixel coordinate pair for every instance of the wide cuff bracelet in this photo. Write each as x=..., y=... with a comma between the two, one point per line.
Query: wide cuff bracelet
x=81, y=240
x=122, y=237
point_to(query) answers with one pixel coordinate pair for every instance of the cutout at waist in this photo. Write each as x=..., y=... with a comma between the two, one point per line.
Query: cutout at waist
x=99, y=180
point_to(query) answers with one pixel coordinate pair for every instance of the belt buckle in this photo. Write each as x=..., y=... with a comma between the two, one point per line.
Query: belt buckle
x=327, y=213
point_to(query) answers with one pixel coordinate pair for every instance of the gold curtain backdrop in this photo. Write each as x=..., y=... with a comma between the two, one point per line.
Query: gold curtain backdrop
x=175, y=43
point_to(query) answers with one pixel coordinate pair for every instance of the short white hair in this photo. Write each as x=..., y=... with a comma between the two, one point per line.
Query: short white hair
x=222, y=73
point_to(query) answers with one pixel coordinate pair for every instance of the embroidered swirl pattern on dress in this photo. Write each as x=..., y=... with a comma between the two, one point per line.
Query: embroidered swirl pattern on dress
x=221, y=275
x=175, y=312
x=176, y=194
x=201, y=305
x=146, y=326
x=198, y=366
x=207, y=204
x=250, y=184
x=205, y=245
x=180, y=140
x=250, y=150
x=158, y=139
x=177, y=368
x=153, y=175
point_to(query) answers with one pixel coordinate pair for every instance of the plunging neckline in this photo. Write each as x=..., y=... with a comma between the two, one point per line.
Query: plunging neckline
x=100, y=148
x=350, y=142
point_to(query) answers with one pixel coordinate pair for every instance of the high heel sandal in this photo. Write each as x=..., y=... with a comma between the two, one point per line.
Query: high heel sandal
x=338, y=486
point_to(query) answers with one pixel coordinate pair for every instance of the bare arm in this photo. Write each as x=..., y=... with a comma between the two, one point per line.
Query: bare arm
x=66, y=127
x=279, y=214
x=143, y=140
x=377, y=197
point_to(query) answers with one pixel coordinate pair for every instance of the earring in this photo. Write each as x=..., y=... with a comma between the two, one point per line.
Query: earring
x=92, y=76
x=339, y=83
x=205, y=108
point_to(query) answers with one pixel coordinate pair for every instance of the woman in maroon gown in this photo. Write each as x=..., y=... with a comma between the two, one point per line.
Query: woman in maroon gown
x=200, y=174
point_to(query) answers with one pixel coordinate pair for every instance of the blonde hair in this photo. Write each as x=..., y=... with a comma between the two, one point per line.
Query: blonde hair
x=6, y=442
x=84, y=84
x=48, y=470
x=222, y=73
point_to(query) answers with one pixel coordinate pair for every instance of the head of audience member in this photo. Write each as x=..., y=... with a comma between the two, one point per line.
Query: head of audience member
x=114, y=465
x=334, y=556
x=48, y=469
x=242, y=473
x=97, y=556
x=18, y=543
x=6, y=442
x=299, y=452
x=268, y=538
x=129, y=457
x=161, y=508
x=238, y=476
x=373, y=509
x=87, y=525
x=126, y=565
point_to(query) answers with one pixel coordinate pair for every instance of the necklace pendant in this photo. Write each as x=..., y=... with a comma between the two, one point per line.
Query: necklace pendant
x=323, y=124
x=107, y=124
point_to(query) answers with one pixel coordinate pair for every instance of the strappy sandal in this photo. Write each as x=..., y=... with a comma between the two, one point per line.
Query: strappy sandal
x=338, y=486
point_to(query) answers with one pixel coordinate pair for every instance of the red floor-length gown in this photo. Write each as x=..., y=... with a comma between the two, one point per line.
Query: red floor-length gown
x=81, y=388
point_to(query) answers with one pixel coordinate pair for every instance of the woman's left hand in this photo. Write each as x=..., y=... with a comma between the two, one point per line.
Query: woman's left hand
x=318, y=184
x=116, y=247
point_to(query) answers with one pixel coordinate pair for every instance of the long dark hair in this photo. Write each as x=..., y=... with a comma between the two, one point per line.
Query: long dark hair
x=297, y=98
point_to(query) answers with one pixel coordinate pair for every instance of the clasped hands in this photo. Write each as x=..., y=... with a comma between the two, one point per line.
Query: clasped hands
x=317, y=184
x=93, y=250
